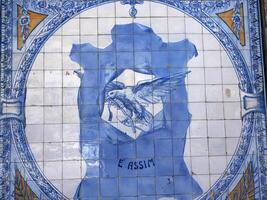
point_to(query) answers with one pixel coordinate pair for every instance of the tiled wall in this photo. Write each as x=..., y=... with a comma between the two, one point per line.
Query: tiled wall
x=178, y=146
x=53, y=87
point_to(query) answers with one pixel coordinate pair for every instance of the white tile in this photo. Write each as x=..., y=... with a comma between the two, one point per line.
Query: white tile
x=196, y=93
x=164, y=37
x=53, y=132
x=196, y=76
x=215, y=111
x=213, y=75
x=143, y=9
x=174, y=12
x=54, y=44
x=229, y=76
x=192, y=26
x=70, y=79
x=159, y=25
x=52, y=152
x=217, y=164
x=212, y=59
x=233, y=128
x=158, y=10
x=71, y=151
x=70, y=96
x=34, y=97
x=70, y=186
x=196, y=61
x=104, y=41
x=70, y=114
x=53, y=170
x=52, y=96
x=38, y=150
x=91, y=39
x=226, y=62
x=88, y=26
x=124, y=20
x=198, y=129
x=232, y=110
x=35, y=79
x=196, y=39
x=105, y=25
x=217, y=146
x=210, y=42
x=216, y=128
x=34, y=132
x=71, y=169
x=176, y=25
x=53, y=79
x=122, y=10
x=53, y=114
x=198, y=110
x=203, y=181
x=231, y=93
x=89, y=13
x=53, y=61
x=68, y=41
x=199, y=147
x=214, y=93
x=107, y=10
x=200, y=165
x=67, y=63
x=71, y=132
x=34, y=114
x=145, y=21
x=72, y=27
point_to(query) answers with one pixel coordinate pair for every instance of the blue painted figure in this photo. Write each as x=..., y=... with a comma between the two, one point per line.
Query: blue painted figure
x=150, y=166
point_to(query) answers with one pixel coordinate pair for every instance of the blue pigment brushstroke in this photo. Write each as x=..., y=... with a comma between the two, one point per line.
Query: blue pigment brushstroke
x=152, y=165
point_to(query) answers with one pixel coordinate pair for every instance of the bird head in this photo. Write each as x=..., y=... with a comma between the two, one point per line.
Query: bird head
x=116, y=94
x=112, y=94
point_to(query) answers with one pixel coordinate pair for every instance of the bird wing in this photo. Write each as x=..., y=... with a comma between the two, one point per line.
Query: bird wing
x=151, y=92
x=114, y=86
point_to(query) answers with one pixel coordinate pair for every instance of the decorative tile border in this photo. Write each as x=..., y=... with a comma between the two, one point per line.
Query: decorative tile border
x=250, y=78
x=5, y=92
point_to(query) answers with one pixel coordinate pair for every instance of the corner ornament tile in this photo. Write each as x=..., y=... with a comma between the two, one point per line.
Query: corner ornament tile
x=234, y=18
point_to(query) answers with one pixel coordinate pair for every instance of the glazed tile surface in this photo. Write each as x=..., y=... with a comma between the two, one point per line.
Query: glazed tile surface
x=132, y=99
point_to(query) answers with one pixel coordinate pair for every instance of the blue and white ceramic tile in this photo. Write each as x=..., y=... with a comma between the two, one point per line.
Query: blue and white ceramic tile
x=132, y=99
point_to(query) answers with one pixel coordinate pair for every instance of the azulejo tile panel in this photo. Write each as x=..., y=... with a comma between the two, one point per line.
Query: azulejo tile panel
x=132, y=99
